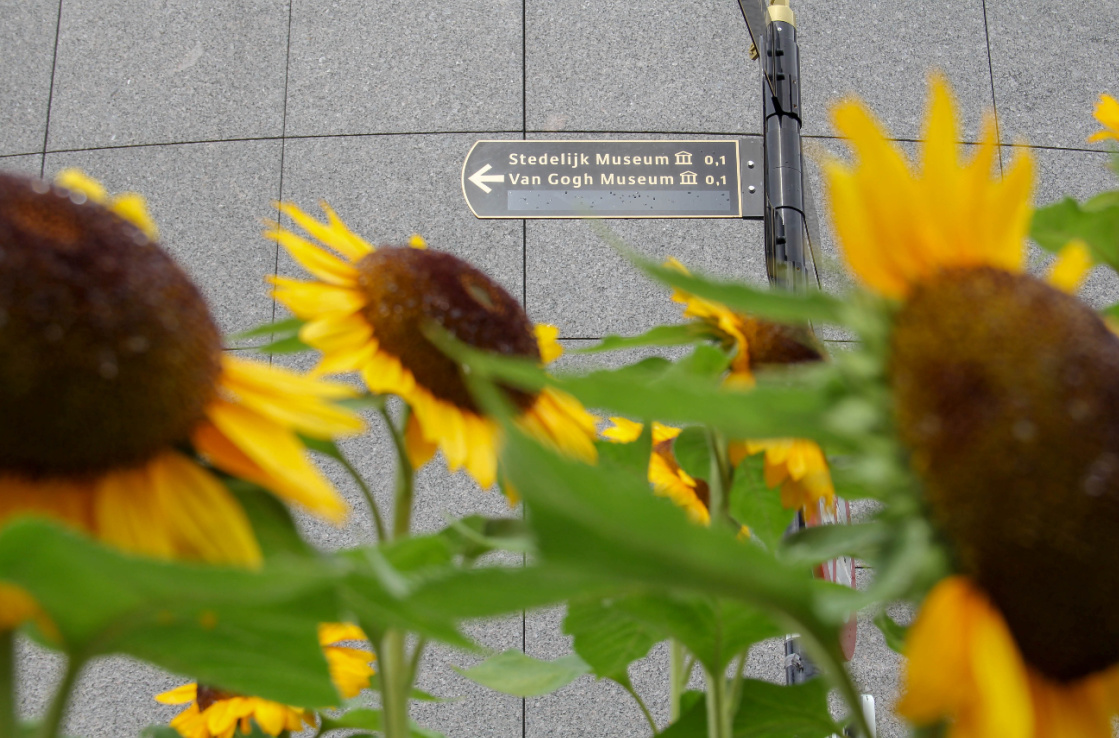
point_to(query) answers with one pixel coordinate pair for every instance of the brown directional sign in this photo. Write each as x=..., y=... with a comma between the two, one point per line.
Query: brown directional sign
x=607, y=179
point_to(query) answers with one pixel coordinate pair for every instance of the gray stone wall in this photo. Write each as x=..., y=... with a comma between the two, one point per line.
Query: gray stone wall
x=215, y=109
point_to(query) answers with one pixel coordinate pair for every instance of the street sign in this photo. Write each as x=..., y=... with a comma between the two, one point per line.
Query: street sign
x=613, y=179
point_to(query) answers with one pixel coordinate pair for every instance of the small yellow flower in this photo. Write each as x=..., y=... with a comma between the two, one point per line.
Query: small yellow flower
x=366, y=311
x=1107, y=113
x=213, y=713
x=665, y=474
x=797, y=465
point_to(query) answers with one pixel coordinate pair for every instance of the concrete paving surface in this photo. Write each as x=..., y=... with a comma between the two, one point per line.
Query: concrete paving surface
x=215, y=109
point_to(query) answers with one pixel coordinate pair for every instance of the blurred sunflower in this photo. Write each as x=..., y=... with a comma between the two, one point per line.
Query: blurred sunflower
x=797, y=465
x=366, y=311
x=1005, y=398
x=112, y=374
x=213, y=713
x=665, y=474
x=1107, y=113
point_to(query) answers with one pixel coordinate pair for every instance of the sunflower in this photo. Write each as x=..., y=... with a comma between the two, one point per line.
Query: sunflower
x=113, y=384
x=213, y=713
x=1005, y=401
x=1107, y=113
x=797, y=465
x=665, y=474
x=367, y=310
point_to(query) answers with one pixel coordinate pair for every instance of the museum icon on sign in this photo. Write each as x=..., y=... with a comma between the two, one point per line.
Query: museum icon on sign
x=687, y=178
x=683, y=159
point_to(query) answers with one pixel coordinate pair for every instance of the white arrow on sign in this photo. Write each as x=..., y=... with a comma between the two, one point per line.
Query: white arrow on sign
x=480, y=177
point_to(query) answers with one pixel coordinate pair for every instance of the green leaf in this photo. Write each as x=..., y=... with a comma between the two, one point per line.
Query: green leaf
x=160, y=731
x=1097, y=224
x=252, y=632
x=826, y=542
x=773, y=711
x=475, y=535
x=607, y=638
x=367, y=401
x=692, y=722
x=512, y=672
x=280, y=327
x=692, y=452
x=662, y=335
x=632, y=457
x=713, y=631
x=773, y=304
x=272, y=522
x=363, y=717
x=756, y=505
x=289, y=345
x=893, y=631
x=623, y=534
x=1111, y=311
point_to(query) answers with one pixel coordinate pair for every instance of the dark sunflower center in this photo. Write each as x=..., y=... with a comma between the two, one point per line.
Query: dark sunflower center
x=408, y=288
x=1007, y=394
x=207, y=696
x=107, y=351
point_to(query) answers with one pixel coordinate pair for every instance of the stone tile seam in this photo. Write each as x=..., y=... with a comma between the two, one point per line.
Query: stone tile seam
x=1038, y=147
x=991, y=76
x=50, y=91
x=283, y=147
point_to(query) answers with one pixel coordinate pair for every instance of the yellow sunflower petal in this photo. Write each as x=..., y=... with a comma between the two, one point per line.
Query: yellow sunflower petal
x=78, y=181
x=272, y=717
x=279, y=454
x=179, y=695
x=623, y=430
x=330, y=269
x=1071, y=267
x=550, y=348
x=334, y=234
x=420, y=450
x=1107, y=113
x=311, y=300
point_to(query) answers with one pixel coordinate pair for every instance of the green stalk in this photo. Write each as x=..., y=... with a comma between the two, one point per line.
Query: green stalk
x=405, y=478
x=394, y=692
x=678, y=678
x=644, y=708
x=718, y=706
x=8, y=719
x=719, y=482
x=52, y=721
x=378, y=521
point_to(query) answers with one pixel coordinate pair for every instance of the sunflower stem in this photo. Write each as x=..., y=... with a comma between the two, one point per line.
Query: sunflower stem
x=378, y=520
x=8, y=718
x=52, y=721
x=718, y=707
x=394, y=691
x=644, y=708
x=405, y=477
x=720, y=480
x=678, y=677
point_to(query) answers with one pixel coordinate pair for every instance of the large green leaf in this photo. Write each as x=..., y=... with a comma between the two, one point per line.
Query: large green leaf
x=774, y=304
x=1096, y=223
x=662, y=335
x=689, y=392
x=606, y=522
x=606, y=637
x=284, y=335
x=633, y=456
x=714, y=631
x=772, y=711
x=512, y=672
x=271, y=520
x=253, y=632
x=758, y=506
x=368, y=719
x=692, y=452
x=767, y=710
